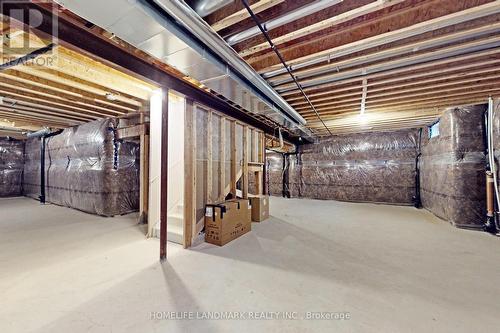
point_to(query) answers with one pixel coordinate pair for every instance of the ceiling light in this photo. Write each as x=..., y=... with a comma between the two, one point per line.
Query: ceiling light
x=111, y=97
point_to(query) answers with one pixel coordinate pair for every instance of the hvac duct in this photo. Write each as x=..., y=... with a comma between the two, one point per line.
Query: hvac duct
x=284, y=19
x=207, y=7
x=174, y=33
x=182, y=13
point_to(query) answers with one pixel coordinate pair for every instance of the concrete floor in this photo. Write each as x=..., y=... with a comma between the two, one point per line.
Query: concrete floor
x=393, y=269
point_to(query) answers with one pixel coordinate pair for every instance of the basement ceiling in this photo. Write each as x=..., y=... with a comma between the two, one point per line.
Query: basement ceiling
x=61, y=88
x=404, y=60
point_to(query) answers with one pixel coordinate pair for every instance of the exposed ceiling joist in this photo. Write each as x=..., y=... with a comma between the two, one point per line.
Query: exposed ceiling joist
x=242, y=14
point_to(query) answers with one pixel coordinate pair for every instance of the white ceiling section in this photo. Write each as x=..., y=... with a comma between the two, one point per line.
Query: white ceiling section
x=135, y=22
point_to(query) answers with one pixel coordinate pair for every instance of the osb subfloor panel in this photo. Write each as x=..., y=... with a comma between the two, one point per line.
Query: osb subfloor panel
x=394, y=269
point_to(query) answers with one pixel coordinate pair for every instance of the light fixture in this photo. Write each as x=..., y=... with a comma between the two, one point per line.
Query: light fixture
x=111, y=97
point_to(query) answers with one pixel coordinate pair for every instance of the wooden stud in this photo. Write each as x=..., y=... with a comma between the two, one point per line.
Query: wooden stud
x=209, y=179
x=245, y=163
x=135, y=131
x=144, y=178
x=189, y=175
x=222, y=157
x=234, y=167
x=164, y=176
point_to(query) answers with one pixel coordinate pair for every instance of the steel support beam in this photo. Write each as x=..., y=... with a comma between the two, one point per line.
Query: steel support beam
x=74, y=35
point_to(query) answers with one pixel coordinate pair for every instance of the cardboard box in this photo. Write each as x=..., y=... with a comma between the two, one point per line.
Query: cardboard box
x=260, y=208
x=227, y=221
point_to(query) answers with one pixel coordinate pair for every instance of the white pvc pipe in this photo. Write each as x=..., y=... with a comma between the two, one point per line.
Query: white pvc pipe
x=491, y=151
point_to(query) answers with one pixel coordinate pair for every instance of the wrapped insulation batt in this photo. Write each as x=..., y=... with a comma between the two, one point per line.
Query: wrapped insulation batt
x=452, y=167
x=11, y=167
x=86, y=168
x=370, y=167
x=274, y=171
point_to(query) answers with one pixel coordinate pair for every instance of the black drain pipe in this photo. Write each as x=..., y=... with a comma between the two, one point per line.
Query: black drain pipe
x=44, y=135
x=417, y=201
x=284, y=177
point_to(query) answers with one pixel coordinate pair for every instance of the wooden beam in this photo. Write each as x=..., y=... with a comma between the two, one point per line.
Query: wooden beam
x=90, y=106
x=433, y=103
x=86, y=69
x=233, y=159
x=327, y=23
x=400, y=63
x=77, y=83
x=263, y=159
x=73, y=35
x=33, y=109
x=384, y=112
x=189, y=175
x=51, y=104
x=243, y=14
x=244, y=178
x=209, y=179
x=164, y=176
x=415, y=85
x=403, y=50
x=397, y=95
x=222, y=158
x=409, y=70
x=135, y=131
x=89, y=70
x=144, y=178
x=321, y=47
x=8, y=114
x=404, y=101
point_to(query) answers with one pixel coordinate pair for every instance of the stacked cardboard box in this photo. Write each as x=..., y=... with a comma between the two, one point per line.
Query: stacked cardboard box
x=260, y=207
x=227, y=221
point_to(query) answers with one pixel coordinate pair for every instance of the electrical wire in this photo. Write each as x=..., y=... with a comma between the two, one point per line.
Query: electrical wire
x=278, y=53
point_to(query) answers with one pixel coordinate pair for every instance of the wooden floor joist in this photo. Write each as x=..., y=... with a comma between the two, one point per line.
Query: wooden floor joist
x=67, y=85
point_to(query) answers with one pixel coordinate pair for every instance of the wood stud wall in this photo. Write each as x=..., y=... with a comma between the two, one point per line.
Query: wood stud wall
x=226, y=141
